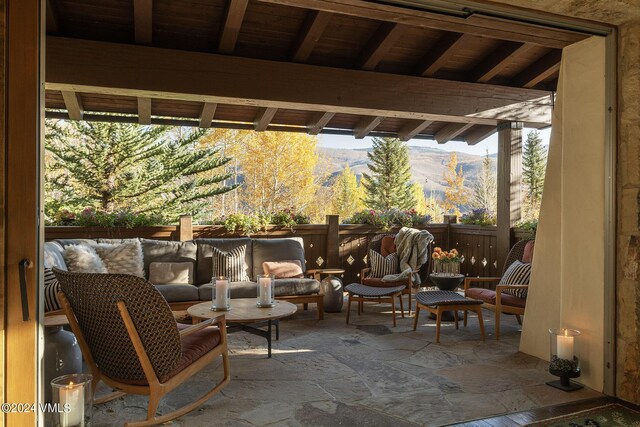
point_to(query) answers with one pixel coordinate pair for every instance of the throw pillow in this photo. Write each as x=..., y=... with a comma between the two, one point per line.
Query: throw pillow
x=230, y=264
x=83, y=259
x=527, y=256
x=123, y=258
x=177, y=273
x=388, y=245
x=283, y=269
x=51, y=288
x=381, y=266
x=518, y=273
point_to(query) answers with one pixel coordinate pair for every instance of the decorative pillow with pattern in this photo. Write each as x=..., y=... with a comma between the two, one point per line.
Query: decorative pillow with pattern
x=83, y=259
x=382, y=266
x=51, y=288
x=230, y=264
x=518, y=273
x=122, y=258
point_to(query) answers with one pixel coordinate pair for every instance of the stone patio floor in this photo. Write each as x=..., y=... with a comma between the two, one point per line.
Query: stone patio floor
x=368, y=373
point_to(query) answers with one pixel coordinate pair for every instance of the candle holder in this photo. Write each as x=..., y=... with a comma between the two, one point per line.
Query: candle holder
x=265, y=290
x=564, y=358
x=221, y=294
x=74, y=398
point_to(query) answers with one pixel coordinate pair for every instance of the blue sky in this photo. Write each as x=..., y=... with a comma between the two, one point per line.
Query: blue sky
x=490, y=144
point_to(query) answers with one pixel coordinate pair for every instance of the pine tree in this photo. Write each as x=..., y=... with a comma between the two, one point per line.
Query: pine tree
x=114, y=166
x=485, y=189
x=455, y=193
x=388, y=184
x=534, y=163
x=346, y=195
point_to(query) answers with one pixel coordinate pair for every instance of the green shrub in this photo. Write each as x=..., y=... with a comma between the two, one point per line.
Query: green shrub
x=91, y=217
x=252, y=223
x=389, y=218
x=479, y=217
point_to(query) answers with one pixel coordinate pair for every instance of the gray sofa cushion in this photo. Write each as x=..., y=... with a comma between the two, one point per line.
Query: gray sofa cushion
x=68, y=242
x=204, y=267
x=280, y=249
x=294, y=286
x=167, y=251
x=238, y=290
x=178, y=293
x=53, y=255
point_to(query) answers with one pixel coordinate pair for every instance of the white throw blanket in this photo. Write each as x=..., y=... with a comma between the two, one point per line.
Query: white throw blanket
x=413, y=250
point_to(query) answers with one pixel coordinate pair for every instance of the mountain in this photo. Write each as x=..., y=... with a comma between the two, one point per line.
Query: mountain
x=427, y=164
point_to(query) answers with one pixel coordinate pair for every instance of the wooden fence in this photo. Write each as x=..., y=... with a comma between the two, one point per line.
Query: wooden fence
x=330, y=245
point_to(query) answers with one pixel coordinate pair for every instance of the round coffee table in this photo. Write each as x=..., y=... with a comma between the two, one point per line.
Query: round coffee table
x=246, y=316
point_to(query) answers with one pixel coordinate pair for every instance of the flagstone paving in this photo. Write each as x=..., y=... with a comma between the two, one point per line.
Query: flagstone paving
x=368, y=373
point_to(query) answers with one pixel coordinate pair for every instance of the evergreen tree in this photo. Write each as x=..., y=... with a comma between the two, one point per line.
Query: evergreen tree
x=534, y=163
x=388, y=184
x=114, y=166
x=347, y=198
x=455, y=194
x=485, y=189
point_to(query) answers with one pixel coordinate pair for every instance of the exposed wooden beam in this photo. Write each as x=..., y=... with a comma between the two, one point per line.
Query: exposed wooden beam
x=74, y=104
x=142, y=16
x=53, y=22
x=308, y=36
x=366, y=125
x=412, y=128
x=318, y=122
x=231, y=25
x=497, y=60
x=450, y=131
x=144, y=111
x=479, y=133
x=439, y=54
x=475, y=24
x=263, y=118
x=111, y=68
x=540, y=70
x=207, y=113
x=379, y=44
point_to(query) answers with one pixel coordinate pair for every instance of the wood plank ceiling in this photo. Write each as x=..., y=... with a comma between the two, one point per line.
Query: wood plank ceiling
x=306, y=65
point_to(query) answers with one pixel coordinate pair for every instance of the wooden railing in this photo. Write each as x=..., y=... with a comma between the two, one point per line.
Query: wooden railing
x=326, y=245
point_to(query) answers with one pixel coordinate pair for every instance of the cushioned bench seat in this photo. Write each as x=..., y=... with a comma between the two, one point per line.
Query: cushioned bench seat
x=489, y=296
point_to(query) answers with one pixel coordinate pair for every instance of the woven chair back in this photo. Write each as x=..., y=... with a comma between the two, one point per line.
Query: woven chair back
x=94, y=298
x=515, y=254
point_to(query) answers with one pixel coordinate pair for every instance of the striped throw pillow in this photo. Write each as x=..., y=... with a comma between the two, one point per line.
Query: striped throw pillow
x=51, y=288
x=381, y=266
x=518, y=273
x=230, y=264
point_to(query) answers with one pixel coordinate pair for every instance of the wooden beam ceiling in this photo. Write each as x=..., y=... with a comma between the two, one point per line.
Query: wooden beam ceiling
x=309, y=34
x=497, y=60
x=263, y=118
x=206, y=115
x=412, y=128
x=439, y=54
x=142, y=16
x=478, y=133
x=450, y=131
x=144, y=111
x=231, y=26
x=366, y=125
x=474, y=24
x=111, y=68
x=380, y=43
x=540, y=70
x=74, y=104
x=318, y=122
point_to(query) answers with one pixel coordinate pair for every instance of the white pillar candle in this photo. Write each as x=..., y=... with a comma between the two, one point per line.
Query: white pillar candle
x=265, y=290
x=565, y=346
x=72, y=405
x=221, y=293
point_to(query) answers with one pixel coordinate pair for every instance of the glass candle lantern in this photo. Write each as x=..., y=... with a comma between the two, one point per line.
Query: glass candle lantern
x=221, y=294
x=265, y=291
x=564, y=361
x=72, y=396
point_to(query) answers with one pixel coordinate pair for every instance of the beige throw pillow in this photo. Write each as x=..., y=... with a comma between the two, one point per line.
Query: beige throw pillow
x=283, y=269
x=83, y=259
x=176, y=273
x=122, y=258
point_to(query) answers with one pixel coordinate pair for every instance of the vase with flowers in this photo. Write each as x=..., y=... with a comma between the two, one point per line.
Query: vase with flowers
x=446, y=262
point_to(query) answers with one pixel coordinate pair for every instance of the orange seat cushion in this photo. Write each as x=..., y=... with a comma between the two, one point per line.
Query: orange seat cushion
x=378, y=283
x=194, y=346
x=387, y=245
x=527, y=257
x=489, y=296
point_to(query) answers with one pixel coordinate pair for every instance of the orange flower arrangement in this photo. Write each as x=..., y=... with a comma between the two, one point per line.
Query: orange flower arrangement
x=445, y=256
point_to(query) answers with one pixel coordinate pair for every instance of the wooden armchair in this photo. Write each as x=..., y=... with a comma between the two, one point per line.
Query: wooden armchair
x=494, y=299
x=130, y=339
